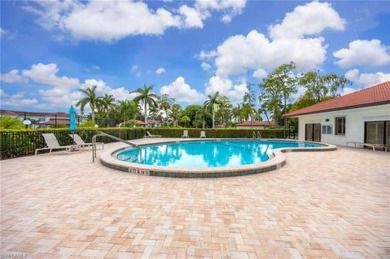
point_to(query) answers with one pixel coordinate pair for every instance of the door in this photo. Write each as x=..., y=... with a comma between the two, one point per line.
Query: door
x=313, y=132
x=377, y=132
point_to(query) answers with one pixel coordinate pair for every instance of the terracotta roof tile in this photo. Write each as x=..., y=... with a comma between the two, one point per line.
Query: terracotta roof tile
x=256, y=123
x=375, y=95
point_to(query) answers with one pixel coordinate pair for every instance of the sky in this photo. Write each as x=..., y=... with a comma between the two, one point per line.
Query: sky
x=186, y=49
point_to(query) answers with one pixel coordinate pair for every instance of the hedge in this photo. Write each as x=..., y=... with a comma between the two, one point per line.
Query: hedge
x=17, y=143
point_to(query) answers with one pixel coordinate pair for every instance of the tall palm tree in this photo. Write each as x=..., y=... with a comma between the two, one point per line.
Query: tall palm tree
x=175, y=114
x=92, y=99
x=210, y=104
x=146, y=96
x=108, y=105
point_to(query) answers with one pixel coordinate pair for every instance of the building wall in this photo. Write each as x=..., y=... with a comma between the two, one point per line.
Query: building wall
x=354, y=123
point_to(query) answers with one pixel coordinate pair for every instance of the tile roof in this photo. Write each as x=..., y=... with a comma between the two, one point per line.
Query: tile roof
x=374, y=95
x=256, y=123
x=53, y=122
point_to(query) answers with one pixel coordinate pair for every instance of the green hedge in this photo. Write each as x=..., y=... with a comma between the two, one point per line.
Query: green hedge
x=17, y=143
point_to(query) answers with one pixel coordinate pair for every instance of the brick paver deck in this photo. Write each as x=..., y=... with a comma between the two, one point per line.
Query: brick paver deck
x=320, y=204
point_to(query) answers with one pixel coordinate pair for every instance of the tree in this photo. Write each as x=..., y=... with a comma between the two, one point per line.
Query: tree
x=224, y=110
x=191, y=112
x=278, y=86
x=107, y=105
x=165, y=104
x=128, y=110
x=147, y=98
x=7, y=122
x=320, y=87
x=175, y=113
x=92, y=99
x=211, y=103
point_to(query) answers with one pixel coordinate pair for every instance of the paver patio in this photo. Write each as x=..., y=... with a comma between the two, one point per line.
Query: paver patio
x=319, y=205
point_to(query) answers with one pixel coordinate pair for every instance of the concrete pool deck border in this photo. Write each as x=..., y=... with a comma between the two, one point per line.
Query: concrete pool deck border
x=277, y=161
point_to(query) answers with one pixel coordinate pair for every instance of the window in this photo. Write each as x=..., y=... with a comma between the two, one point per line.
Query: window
x=340, y=126
x=326, y=129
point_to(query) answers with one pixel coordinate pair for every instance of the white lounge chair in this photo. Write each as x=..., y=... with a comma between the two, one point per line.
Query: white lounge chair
x=148, y=135
x=185, y=134
x=79, y=141
x=203, y=134
x=52, y=144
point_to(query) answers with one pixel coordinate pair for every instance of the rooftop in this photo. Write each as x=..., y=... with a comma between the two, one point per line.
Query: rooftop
x=256, y=123
x=375, y=95
x=59, y=205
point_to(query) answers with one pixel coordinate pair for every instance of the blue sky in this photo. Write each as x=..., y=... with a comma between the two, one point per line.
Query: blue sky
x=187, y=49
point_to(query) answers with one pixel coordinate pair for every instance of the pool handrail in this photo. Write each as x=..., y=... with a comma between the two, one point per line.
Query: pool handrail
x=102, y=134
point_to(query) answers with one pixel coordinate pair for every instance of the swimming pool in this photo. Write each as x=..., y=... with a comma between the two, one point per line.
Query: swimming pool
x=205, y=158
x=206, y=154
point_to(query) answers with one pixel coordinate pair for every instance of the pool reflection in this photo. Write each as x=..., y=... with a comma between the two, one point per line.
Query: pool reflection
x=198, y=154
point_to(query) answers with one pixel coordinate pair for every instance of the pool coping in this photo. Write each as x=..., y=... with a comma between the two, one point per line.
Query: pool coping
x=277, y=161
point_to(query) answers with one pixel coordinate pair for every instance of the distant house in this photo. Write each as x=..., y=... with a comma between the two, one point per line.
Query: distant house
x=43, y=119
x=256, y=124
x=362, y=116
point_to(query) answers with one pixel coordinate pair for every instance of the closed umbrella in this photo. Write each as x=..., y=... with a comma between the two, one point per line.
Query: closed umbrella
x=72, y=120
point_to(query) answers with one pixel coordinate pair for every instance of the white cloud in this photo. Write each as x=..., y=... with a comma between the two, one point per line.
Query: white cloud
x=230, y=8
x=104, y=20
x=17, y=100
x=13, y=76
x=205, y=66
x=120, y=93
x=288, y=42
x=308, y=19
x=225, y=87
x=367, y=79
x=160, y=71
x=260, y=74
x=254, y=51
x=363, y=53
x=135, y=70
x=182, y=92
x=114, y=20
x=60, y=92
x=192, y=17
x=47, y=74
x=2, y=32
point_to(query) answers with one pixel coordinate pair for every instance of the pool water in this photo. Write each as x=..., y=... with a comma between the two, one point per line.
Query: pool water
x=205, y=154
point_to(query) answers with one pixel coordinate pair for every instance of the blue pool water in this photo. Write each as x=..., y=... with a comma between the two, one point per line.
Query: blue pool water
x=205, y=154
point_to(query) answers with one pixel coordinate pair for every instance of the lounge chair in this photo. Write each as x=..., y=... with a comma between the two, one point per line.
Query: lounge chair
x=148, y=135
x=79, y=141
x=371, y=145
x=203, y=134
x=185, y=134
x=52, y=144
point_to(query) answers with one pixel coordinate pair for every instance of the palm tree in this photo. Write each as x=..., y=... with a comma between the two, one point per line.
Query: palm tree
x=210, y=104
x=175, y=114
x=108, y=104
x=92, y=99
x=128, y=109
x=146, y=96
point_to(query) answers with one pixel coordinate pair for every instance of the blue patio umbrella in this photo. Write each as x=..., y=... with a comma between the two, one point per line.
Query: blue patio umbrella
x=72, y=120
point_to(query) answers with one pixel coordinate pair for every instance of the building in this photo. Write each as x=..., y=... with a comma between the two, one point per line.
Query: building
x=43, y=119
x=362, y=116
x=256, y=124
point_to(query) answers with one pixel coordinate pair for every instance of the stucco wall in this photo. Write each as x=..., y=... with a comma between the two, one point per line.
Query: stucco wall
x=354, y=123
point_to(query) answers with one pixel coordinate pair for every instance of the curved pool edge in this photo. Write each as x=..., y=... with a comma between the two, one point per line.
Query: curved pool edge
x=277, y=161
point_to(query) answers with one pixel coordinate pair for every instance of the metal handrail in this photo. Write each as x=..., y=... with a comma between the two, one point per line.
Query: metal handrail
x=102, y=134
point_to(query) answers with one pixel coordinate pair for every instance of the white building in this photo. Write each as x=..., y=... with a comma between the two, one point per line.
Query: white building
x=362, y=116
